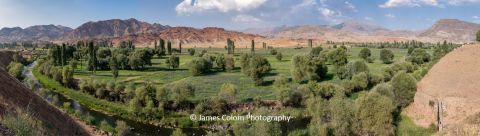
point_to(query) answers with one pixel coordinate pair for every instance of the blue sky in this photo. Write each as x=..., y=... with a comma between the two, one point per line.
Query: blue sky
x=239, y=14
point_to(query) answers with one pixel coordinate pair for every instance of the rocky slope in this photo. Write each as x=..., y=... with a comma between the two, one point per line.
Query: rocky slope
x=452, y=30
x=33, y=33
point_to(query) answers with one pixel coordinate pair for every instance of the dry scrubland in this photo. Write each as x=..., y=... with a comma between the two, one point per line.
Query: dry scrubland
x=454, y=81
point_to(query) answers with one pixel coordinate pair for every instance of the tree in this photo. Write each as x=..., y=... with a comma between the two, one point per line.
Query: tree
x=173, y=61
x=122, y=129
x=181, y=91
x=180, y=47
x=228, y=92
x=306, y=67
x=360, y=81
x=386, y=56
x=310, y=43
x=67, y=75
x=279, y=56
x=191, y=51
x=169, y=48
x=273, y=52
x=199, y=66
x=478, y=36
x=342, y=115
x=73, y=64
x=353, y=68
x=419, y=56
x=338, y=57
x=92, y=60
x=114, y=67
x=365, y=53
x=252, y=48
x=373, y=115
x=229, y=63
x=255, y=66
x=404, y=88
x=316, y=51
x=220, y=61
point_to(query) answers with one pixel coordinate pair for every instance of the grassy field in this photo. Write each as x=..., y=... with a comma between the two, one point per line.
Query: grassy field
x=208, y=85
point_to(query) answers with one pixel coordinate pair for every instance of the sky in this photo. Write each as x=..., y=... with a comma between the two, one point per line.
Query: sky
x=239, y=14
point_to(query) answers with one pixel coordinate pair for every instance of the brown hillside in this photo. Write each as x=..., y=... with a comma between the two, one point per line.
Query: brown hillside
x=454, y=80
x=13, y=94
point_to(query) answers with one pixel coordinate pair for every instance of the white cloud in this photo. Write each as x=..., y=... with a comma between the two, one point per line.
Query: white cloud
x=326, y=12
x=462, y=2
x=390, y=15
x=476, y=17
x=245, y=19
x=351, y=6
x=409, y=3
x=195, y=6
x=368, y=18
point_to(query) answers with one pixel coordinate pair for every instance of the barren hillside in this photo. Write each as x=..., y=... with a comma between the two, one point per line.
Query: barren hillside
x=455, y=81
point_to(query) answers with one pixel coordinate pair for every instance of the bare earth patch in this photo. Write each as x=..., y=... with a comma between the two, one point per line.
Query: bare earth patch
x=454, y=80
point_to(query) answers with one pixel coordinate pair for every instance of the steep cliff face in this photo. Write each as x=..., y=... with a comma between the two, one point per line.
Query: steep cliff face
x=452, y=30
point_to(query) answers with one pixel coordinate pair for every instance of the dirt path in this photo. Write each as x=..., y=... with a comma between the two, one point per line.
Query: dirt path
x=454, y=80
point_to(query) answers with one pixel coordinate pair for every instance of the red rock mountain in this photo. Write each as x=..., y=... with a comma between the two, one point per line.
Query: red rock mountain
x=33, y=33
x=452, y=30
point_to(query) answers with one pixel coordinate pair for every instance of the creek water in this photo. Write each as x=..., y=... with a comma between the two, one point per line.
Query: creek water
x=138, y=128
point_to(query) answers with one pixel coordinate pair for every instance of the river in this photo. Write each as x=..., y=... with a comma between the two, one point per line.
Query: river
x=138, y=128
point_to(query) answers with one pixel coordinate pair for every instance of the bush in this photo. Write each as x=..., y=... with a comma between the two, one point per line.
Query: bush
x=107, y=127
x=181, y=91
x=15, y=69
x=360, y=81
x=220, y=61
x=338, y=57
x=353, y=68
x=255, y=66
x=191, y=51
x=228, y=93
x=173, y=61
x=386, y=56
x=327, y=90
x=373, y=115
x=316, y=51
x=365, y=53
x=273, y=52
x=419, y=56
x=404, y=87
x=384, y=89
x=199, y=66
x=306, y=67
x=279, y=56
x=478, y=36
x=122, y=129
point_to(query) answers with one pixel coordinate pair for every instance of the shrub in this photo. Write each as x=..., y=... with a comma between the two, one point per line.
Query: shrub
x=15, y=69
x=228, y=92
x=105, y=126
x=279, y=56
x=419, y=56
x=338, y=57
x=181, y=91
x=316, y=51
x=306, y=67
x=255, y=66
x=365, y=53
x=373, y=115
x=199, y=66
x=384, y=89
x=360, y=81
x=478, y=36
x=327, y=90
x=404, y=87
x=173, y=61
x=122, y=129
x=191, y=51
x=386, y=56
x=220, y=61
x=273, y=52
x=353, y=68
x=342, y=116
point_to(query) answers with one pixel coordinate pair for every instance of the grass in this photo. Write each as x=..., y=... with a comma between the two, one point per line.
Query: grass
x=406, y=127
x=208, y=85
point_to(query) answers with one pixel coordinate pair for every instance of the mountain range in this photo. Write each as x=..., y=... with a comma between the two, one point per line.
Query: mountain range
x=144, y=33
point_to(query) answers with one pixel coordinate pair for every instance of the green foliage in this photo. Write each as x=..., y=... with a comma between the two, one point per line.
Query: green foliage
x=199, y=66
x=122, y=129
x=15, y=69
x=273, y=52
x=114, y=66
x=105, y=126
x=220, y=61
x=67, y=76
x=404, y=88
x=255, y=66
x=279, y=56
x=181, y=91
x=353, y=68
x=342, y=116
x=316, y=51
x=365, y=53
x=228, y=93
x=419, y=56
x=360, y=81
x=386, y=56
x=338, y=57
x=478, y=36
x=22, y=123
x=306, y=67
x=173, y=61
x=373, y=115
x=191, y=51
x=384, y=89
